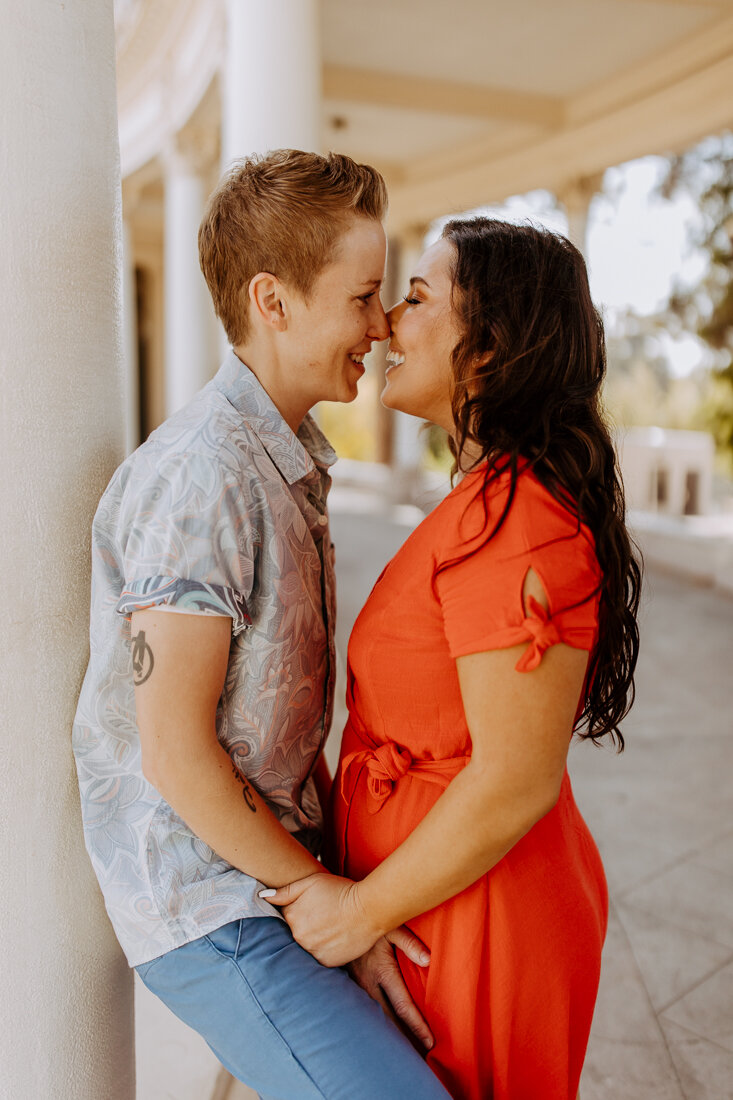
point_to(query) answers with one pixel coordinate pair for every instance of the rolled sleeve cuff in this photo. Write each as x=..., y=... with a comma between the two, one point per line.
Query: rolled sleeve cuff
x=185, y=595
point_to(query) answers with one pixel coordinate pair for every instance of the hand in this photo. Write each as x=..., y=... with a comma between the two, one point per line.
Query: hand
x=326, y=917
x=378, y=973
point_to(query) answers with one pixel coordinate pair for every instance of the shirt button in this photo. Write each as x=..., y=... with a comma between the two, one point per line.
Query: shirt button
x=323, y=520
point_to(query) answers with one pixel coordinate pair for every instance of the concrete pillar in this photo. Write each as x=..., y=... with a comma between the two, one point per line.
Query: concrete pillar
x=384, y=417
x=129, y=344
x=272, y=82
x=190, y=359
x=65, y=989
x=409, y=437
x=576, y=197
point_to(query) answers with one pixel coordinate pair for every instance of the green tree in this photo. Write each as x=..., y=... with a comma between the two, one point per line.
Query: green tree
x=706, y=174
x=640, y=389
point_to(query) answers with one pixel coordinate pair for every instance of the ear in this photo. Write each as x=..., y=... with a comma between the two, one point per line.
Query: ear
x=267, y=300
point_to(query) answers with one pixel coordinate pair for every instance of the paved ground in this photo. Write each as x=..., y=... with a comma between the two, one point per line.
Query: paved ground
x=662, y=814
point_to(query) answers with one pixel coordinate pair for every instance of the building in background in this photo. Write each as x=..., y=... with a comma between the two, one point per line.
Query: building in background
x=667, y=472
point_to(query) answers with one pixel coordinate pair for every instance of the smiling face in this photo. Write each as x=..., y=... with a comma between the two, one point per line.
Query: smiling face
x=424, y=332
x=331, y=330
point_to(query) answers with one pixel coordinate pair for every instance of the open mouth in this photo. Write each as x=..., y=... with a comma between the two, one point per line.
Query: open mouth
x=395, y=358
x=357, y=359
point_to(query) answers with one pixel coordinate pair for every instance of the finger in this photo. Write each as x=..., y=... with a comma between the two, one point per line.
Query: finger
x=386, y=1007
x=416, y=951
x=405, y=1009
x=376, y=994
x=364, y=979
x=282, y=896
x=286, y=895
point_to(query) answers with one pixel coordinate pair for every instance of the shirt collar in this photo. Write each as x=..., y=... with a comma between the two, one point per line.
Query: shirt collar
x=295, y=456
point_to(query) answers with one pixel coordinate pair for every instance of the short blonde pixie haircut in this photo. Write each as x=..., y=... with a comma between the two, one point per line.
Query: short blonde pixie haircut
x=282, y=213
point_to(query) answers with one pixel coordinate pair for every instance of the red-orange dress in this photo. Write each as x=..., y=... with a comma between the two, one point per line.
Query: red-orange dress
x=513, y=977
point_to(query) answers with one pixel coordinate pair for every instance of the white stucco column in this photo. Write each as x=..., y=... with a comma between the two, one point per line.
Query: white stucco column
x=409, y=437
x=576, y=197
x=129, y=345
x=190, y=357
x=272, y=82
x=65, y=989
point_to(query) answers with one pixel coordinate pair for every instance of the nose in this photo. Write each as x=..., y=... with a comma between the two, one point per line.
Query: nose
x=394, y=314
x=378, y=323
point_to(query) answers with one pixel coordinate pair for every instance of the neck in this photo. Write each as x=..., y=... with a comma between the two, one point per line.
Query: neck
x=277, y=383
x=470, y=455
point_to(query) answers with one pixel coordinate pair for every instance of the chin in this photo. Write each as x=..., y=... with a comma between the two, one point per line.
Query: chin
x=342, y=394
x=386, y=396
x=390, y=400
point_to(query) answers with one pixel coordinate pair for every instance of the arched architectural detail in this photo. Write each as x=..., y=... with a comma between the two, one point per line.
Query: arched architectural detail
x=166, y=64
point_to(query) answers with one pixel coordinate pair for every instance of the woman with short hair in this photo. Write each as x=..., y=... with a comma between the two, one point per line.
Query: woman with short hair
x=208, y=694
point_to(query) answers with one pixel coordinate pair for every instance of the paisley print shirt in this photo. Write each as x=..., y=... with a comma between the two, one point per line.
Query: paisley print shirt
x=222, y=511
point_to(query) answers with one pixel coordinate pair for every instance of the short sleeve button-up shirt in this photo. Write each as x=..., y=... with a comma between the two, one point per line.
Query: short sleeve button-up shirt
x=221, y=511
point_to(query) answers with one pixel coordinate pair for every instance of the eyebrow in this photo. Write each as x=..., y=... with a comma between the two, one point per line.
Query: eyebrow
x=419, y=279
x=372, y=282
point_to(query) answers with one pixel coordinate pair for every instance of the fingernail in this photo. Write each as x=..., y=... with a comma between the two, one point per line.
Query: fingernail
x=267, y=893
x=424, y=958
x=429, y=1044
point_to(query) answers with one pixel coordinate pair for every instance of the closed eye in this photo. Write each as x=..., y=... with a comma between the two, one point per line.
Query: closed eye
x=411, y=301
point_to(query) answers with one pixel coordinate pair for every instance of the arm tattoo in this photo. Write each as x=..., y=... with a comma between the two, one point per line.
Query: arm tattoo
x=246, y=790
x=142, y=659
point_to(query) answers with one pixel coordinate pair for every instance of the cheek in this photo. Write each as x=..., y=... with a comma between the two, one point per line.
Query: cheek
x=331, y=341
x=408, y=330
x=425, y=330
x=349, y=333
x=438, y=379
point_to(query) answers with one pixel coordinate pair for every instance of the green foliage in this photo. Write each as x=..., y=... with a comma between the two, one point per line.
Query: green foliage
x=718, y=412
x=706, y=173
x=639, y=389
x=437, y=452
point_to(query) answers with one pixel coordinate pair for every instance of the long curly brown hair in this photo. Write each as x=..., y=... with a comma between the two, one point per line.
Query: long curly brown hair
x=527, y=376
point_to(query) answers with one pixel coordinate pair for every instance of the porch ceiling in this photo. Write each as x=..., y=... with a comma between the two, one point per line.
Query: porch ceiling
x=464, y=102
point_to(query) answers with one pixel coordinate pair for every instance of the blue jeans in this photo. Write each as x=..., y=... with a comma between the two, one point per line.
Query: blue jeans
x=282, y=1023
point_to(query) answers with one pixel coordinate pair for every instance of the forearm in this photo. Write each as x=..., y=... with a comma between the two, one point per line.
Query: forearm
x=222, y=808
x=182, y=758
x=472, y=826
x=520, y=732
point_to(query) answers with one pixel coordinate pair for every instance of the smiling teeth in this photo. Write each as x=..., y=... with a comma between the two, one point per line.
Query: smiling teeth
x=357, y=359
x=395, y=358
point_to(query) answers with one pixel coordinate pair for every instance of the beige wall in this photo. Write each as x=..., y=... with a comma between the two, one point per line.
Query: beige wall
x=65, y=991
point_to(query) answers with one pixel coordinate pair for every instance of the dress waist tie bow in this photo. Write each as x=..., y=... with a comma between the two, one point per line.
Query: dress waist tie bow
x=385, y=764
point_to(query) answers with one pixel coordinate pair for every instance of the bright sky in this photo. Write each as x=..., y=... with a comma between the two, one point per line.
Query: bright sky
x=637, y=246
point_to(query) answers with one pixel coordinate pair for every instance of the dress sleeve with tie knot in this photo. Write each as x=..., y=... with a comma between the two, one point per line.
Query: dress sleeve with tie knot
x=480, y=580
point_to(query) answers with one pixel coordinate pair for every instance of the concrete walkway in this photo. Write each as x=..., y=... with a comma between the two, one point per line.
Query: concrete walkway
x=662, y=814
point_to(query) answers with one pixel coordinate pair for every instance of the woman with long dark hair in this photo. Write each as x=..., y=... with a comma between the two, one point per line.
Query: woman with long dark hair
x=506, y=623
